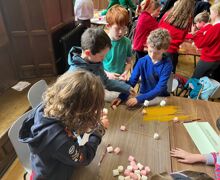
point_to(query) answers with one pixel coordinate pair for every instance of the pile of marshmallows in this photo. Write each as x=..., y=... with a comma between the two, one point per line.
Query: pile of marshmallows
x=134, y=171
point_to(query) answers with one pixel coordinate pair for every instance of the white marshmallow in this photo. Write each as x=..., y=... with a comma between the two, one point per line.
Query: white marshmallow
x=122, y=128
x=105, y=111
x=143, y=177
x=129, y=168
x=120, y=168
x=127, y=178
x=115, y=172
x=140, y=166
x=137, y=172
x=146, y=103
x=121, y=177
x=109, y=149
x=162, y=103
x=156, y=136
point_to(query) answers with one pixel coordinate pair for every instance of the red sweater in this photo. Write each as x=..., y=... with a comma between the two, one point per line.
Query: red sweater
x=177, y=35
x=210, y=44
x=199, y=32
x=146, y=23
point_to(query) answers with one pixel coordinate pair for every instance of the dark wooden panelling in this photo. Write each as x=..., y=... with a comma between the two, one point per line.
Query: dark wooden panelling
x=13, y=12
x=67, y=10
x=36, y=15
x=52, y=12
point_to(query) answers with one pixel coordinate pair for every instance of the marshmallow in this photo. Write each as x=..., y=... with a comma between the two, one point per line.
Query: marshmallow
x=127, y=172
x=134, y=176
x=140, y=166
x=156, y=136
x=137, y=171
x=123, y=128
x=121, y=177
x=131, y=158
x=120, y=169
x=143, y=172
x=127, y=178
x=129, y=168
x=135, y=167
x=162, y=103
x=132, y=163
x=109, y=149
x=117, y=150
x=105, y=111
x=144, y=111
x=143, y=177
x=115, y=172
x=175, y=119
x=147, y=169
x=146, y=103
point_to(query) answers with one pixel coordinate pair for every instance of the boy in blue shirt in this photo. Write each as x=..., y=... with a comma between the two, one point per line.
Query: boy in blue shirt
x=95, y=44
x=154, y=70
x=117, y=62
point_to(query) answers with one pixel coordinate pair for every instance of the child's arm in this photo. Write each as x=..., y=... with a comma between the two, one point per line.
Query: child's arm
x=186, y=157
x=124, y=75
x=160, y=87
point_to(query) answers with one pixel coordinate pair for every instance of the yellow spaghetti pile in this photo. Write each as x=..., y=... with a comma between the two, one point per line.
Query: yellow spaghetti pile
x=165, y=113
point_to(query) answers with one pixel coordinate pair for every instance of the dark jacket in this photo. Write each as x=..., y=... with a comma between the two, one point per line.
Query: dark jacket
x=76, y=62
x=55, y=152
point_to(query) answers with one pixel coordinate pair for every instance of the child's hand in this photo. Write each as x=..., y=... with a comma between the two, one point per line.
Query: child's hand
x=132, y=92
x=113, y=75
x=186, y=157
x=116, y=102
x=105, y=123
x=131, y=102
x=123, y=77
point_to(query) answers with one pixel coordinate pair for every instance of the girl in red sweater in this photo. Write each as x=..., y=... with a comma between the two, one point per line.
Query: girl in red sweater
x=146, y=23
x=210, y=44
x=177, y=21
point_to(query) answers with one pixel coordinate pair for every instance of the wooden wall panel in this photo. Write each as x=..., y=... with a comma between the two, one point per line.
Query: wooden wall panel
x=100, y=4
x=52, y=12
x=67, y=10
x=35, y=15
x=13, y=13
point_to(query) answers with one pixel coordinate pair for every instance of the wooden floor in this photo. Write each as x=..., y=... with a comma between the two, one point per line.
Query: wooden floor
x=13, y=104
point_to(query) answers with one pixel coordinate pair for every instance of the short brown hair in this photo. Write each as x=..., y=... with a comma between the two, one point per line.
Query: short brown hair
x=76, y=99
x=203, y=16
x=159, y=39
x=96, y=40
x=117, y=15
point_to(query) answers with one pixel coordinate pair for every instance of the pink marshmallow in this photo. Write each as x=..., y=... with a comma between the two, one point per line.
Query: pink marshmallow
x=132, y=163
x=147, y=169
x=135, y=167
x=127, y=172
x=143, y=172
x=134, y=176
x=117, y=150
x=131, y=158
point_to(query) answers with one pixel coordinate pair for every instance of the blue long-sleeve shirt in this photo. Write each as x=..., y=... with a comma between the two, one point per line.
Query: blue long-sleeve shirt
x=154, y=78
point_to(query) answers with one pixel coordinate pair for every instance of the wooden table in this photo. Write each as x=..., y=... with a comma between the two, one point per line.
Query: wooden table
x=187, y=48
x=138, y=140
x=98, y=20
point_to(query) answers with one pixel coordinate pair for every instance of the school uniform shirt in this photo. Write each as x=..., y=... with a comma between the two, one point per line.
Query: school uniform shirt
x=115, y=59
x=154, y=78
x=76, y=62
x=209, y=42
x=146, y=23
x=177, y=35
x=201, y=31
x=214, y=159
x=83, y=9
x=55, y=152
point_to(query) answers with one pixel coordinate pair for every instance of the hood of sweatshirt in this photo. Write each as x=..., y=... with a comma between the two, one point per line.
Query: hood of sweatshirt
x=38, y=128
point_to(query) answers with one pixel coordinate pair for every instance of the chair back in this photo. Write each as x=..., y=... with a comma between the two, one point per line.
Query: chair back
x=22, y=150
x=216, y=93
x=172, y=84
x=72, y=38
x=35, y=93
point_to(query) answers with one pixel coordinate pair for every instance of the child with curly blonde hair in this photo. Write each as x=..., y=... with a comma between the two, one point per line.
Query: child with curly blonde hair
x=73, y=105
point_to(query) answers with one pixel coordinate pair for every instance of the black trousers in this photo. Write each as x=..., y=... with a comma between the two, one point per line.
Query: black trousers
x=206, y=69
x=174, y=58
x=138, y=55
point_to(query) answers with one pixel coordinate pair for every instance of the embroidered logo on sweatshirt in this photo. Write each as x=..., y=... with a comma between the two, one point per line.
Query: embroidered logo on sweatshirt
x=74, y=154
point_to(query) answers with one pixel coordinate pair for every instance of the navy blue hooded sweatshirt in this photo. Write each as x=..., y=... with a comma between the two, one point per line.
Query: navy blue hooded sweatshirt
x=55, y=152
x=76, y=62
